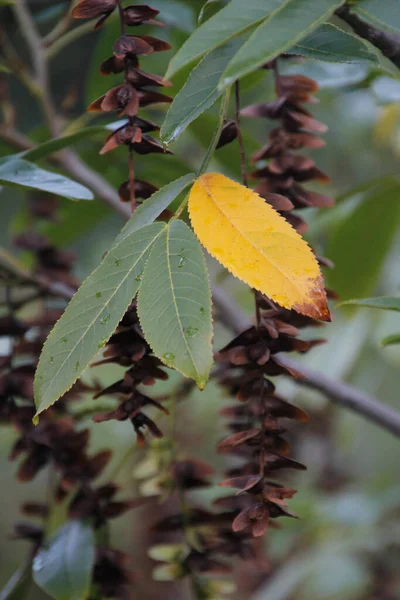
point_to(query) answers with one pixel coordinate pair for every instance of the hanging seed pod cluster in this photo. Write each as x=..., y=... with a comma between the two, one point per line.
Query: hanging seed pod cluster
x=126, y=99
x=258, y=423
x=58, y=443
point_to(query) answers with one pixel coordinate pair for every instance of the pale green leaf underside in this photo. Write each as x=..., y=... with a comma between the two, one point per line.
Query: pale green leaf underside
x=283, y=29
x=16, y=172
x=92, y=315
x=331, y=44
x=63, y=565
x=199, y=92
x=174, y=303
x=383, y=14
x=383, y=302
x=229, y=22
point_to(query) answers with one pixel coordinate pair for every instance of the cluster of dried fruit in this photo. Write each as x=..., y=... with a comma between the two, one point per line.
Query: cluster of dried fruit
x=127, y=98
x=57, y=442
x=247, y=363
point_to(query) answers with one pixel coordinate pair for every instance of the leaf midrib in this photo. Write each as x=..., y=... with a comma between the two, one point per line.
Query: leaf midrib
x=175, y=303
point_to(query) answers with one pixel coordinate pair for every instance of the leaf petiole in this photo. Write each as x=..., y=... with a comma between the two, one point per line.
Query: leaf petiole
x=210, y=151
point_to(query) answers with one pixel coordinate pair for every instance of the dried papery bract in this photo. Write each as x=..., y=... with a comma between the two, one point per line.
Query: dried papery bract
x=57, y=443
x=126, y=99
x=258, y=422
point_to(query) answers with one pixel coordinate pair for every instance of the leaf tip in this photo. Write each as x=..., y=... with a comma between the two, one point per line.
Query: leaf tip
x=35, y=419
x=316, y=307
x=201, y=383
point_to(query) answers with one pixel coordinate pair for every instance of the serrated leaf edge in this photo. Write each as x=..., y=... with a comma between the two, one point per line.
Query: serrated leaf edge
x=40, y=410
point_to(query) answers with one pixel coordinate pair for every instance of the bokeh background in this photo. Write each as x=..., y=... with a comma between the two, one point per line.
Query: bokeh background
x=345, y=546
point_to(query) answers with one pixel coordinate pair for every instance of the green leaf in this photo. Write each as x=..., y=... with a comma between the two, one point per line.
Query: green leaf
x=209, y=9
x=92, y=315
x=359, y=244
x=174, y=303
x=152, y=208
x=176, y=13
x=229, y=22
x=330, y=75
x=331, y=44
x=383, y=302
x=391, y=340
x=383, y=14
x=57, y=144
x=285, y=27
x=63, y=566
x=18, y=586
x=15, y=172
x=199, y=92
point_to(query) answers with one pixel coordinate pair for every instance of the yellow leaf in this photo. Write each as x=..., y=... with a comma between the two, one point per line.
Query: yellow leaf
x=256, y=244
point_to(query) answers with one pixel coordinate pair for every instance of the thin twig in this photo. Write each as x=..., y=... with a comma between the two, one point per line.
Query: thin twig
x=60, y=27
x=339, y=392
x=387, y=43
x=239, y=134
x=121, y=16
x=70, y=36
x=39, y=63
x=132, y=199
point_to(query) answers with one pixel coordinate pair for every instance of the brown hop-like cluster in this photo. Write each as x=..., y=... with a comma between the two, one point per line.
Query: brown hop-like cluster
x=112, y=576
x=281, y=178
x=257, y=423
x=194, y=541
x=128, y=348
x=126, y=99
x=57, y=442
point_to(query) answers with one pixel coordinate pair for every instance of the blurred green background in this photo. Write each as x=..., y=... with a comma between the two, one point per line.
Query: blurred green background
x=346, y=544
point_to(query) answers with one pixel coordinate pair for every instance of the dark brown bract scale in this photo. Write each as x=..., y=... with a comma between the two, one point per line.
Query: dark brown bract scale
x=128, y=348
x=285, y=170
x=127, y=98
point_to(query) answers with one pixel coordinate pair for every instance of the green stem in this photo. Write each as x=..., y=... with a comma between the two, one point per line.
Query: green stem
x=217, y=133
x=210, y=151
x=70, y=36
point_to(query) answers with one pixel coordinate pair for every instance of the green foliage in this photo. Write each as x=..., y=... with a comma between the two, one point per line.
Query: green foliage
x=63, y=565
x=383, y=14
x=391, y=340
x=174, y=303
x=101, y=301
x=223, y=26
x=92, y=315
x=382, y=302
x=199, y=92
x=15, y=172
x=360, y=242
x=331, y=44
x=286, y=26
x=209, y=9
